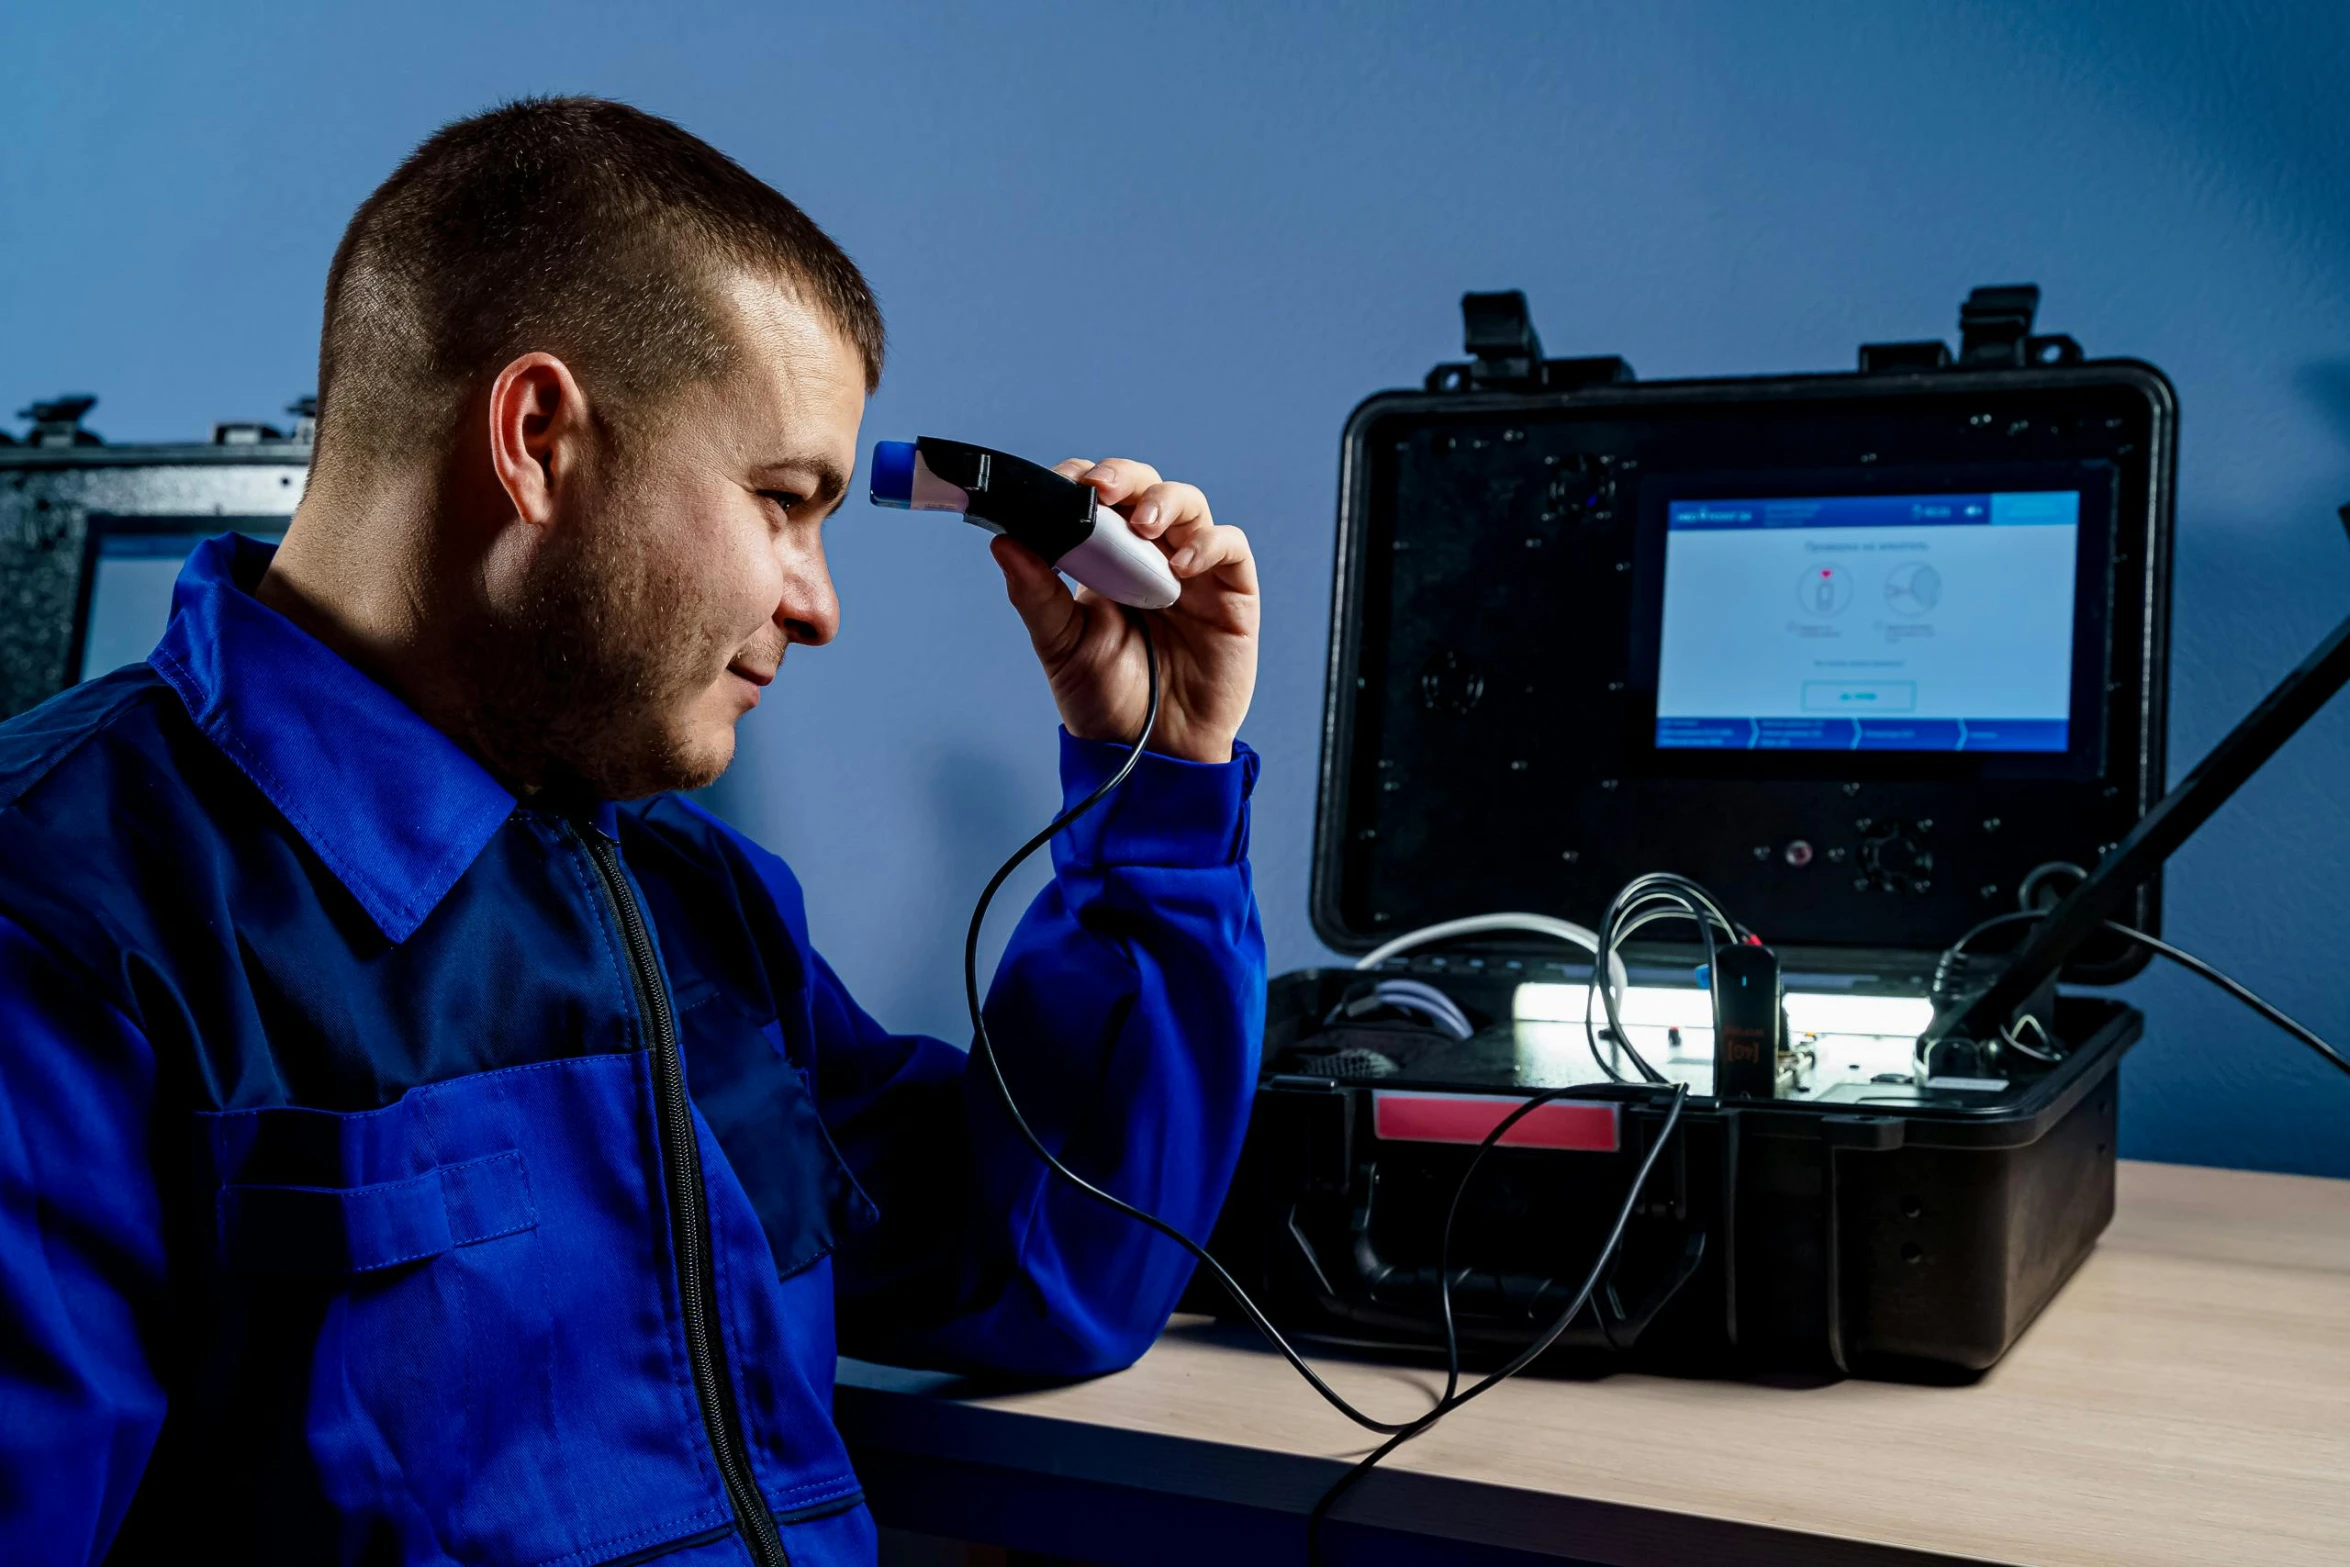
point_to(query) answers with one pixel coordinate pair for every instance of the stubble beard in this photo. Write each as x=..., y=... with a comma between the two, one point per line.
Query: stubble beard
x=583, y=687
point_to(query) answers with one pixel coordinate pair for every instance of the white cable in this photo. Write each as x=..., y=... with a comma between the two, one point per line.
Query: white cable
x=1484, y=924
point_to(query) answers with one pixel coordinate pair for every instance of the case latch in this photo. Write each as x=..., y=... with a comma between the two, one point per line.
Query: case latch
x=1503, y=348
x=1994, y=322
x=1994, y=333
x=1505, y=354
x=1502, y=344
x=58, y=422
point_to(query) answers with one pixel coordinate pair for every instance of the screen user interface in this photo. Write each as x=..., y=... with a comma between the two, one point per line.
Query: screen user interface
x=1869, y=623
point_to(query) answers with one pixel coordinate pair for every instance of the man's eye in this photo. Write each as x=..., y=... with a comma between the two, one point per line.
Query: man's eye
x=785, y=500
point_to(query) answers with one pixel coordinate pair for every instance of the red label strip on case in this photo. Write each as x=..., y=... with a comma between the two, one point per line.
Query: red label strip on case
x=1578, y=1127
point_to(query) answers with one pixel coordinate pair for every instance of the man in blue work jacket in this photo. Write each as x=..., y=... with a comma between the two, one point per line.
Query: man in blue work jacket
x=407, y=1154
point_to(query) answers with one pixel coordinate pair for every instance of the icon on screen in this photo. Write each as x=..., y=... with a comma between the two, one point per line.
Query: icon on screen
x=1823, y=591
x=1913, y=588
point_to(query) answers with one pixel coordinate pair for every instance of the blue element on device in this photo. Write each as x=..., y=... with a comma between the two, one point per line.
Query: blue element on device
x=893, y=473
x=2023, y=508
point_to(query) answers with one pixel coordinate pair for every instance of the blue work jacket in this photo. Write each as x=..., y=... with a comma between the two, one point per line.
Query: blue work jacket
x=393, y=1172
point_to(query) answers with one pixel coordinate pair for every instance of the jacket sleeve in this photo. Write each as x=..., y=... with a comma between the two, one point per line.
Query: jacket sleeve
x=81, y=1261
x=1127, y=1011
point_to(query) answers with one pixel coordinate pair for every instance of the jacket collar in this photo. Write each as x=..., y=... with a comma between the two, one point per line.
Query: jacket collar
x=395, y=808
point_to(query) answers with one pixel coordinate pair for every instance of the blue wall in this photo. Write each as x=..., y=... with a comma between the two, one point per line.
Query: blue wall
x=1200, y=234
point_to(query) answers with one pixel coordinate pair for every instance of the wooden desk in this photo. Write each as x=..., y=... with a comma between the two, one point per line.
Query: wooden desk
x=2186, y=1399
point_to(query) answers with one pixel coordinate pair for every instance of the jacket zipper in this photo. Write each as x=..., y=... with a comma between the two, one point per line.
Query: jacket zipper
x=681, y=1168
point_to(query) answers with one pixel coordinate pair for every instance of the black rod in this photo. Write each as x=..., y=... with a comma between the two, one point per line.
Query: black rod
x=2154, y=839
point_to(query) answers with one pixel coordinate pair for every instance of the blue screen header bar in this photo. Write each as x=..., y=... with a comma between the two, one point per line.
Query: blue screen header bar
x=2015, y=508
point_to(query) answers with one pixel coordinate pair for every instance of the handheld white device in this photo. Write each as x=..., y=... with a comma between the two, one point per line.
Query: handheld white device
x=1058, y=518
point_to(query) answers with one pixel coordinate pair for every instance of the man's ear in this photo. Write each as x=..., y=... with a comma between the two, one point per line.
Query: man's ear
x=539, y=434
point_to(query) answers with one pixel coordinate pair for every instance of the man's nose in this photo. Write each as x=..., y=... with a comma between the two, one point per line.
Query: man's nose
x=809, y=611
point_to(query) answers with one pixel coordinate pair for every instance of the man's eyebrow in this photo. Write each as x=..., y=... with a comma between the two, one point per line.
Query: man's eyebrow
x=831, y=482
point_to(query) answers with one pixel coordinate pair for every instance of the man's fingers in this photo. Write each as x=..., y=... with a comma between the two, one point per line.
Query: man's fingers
x=1200, y=548
x=1165, y=506
x=1119, y=479
x=1187, y=533
x=1155, y=508
x=1071, y=467
x=1053, y=619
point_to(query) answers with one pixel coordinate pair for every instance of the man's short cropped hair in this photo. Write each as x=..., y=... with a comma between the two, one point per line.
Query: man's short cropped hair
x=575, y=226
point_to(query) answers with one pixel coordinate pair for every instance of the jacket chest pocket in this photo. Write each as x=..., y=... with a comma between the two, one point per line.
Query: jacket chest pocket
x=328, y=1231
x=466, y=1302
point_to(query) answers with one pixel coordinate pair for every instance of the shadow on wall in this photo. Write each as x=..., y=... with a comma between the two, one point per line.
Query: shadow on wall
x=978, y=815
x=2236, y=550
x=2326, y=382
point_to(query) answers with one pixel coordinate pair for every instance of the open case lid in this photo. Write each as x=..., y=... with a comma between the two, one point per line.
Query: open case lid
x=1873, y=656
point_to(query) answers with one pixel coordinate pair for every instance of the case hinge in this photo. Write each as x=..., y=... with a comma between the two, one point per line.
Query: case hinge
x=1994, y=333
x=1896, y=358
x=1505, y=354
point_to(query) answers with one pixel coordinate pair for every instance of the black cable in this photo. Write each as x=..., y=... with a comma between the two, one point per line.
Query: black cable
x=1993, y=923
x=984, y=1048
x=1453, y=1400
x=1642, y=902
x=1614, y=932
x=2188, y=961
x=1614, y=926
x=1397, y=1431
x=2195, y=965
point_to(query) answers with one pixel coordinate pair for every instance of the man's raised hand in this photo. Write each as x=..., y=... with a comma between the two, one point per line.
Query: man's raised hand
x=1207, y=639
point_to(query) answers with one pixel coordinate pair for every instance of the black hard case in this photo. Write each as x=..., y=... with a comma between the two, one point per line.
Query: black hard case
x=1910, y=1235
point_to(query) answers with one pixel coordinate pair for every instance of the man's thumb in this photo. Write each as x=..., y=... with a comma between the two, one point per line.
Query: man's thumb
x=1041, y=597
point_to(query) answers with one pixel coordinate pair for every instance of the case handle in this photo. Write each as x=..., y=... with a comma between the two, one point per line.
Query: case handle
x=1396, y=1299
